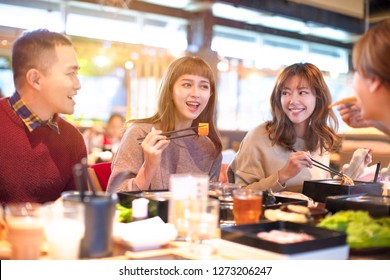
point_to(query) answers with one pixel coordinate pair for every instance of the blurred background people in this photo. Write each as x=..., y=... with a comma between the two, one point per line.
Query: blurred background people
x=114, y=132
x=102, y=140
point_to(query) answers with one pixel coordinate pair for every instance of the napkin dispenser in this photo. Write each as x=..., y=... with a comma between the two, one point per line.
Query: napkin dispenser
x=319, y=190
x=158, y=202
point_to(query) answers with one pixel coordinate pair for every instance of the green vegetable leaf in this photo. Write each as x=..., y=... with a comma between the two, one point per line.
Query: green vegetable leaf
x=125, y=214
x=362, y=230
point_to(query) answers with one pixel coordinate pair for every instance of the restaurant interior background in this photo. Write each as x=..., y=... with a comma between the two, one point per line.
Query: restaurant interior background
x=124, y=47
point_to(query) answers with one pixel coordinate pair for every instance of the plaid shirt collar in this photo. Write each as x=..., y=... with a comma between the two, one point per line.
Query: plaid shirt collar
x=31, y=120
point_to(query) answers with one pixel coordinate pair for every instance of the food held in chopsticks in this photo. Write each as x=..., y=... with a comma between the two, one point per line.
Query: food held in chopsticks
x=347, y=181
x=351, y=99
x=203, y=129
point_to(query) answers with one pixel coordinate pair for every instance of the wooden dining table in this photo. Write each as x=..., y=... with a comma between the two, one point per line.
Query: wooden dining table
x=176, y=250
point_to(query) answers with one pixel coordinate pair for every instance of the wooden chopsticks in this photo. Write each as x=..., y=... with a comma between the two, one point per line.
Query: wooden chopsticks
x=325, y=167
x=168, y=133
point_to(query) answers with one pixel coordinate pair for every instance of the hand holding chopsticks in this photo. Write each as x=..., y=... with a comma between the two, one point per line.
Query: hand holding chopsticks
x=202, y=130
x=325, y=167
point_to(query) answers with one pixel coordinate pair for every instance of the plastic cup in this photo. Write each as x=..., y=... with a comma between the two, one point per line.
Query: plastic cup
x=183, y=187
x=25, y=230
x=64, y=228
x=247, y=206
x=202, y=222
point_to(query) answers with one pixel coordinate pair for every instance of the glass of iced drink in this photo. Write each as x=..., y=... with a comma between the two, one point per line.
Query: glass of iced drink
x=64, y=228
x=202, y=221
x=247, y=206
x=25, y=230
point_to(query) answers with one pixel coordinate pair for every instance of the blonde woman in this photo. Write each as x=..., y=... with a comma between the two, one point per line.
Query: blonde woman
x=187, y=97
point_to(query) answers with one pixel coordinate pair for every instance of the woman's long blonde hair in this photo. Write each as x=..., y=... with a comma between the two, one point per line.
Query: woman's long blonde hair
x=165, y=114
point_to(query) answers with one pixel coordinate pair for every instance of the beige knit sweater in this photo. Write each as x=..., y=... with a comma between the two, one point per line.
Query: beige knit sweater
x=257, y=163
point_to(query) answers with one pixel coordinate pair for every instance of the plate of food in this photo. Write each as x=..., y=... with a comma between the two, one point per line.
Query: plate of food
x=273, y=236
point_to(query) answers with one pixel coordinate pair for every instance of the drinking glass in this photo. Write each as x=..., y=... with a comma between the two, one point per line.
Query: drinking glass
x=202, y=221
x=183, y=187
x=25, y=230
x=247, y=206
x=64, y=228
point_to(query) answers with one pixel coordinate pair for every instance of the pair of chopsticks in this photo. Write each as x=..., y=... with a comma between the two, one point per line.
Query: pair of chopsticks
x=168, y=133
x=83, y=179
x=325, y=167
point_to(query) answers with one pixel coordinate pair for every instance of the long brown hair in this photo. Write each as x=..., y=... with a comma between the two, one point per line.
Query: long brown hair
x=165, y=114
x=323, y=125
x=371, y=53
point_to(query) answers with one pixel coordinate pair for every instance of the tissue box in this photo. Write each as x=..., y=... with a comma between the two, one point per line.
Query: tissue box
x=158, y=202
x=377, y=206
x=319, y=190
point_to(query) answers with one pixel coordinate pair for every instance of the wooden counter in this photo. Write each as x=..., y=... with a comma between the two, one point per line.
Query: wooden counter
x=178, y=250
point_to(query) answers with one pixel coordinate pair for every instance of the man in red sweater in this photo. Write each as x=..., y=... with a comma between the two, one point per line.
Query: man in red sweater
x=38, y=148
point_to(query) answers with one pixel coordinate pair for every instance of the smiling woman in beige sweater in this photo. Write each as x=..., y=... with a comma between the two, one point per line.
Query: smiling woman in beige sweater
x=301, y=122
